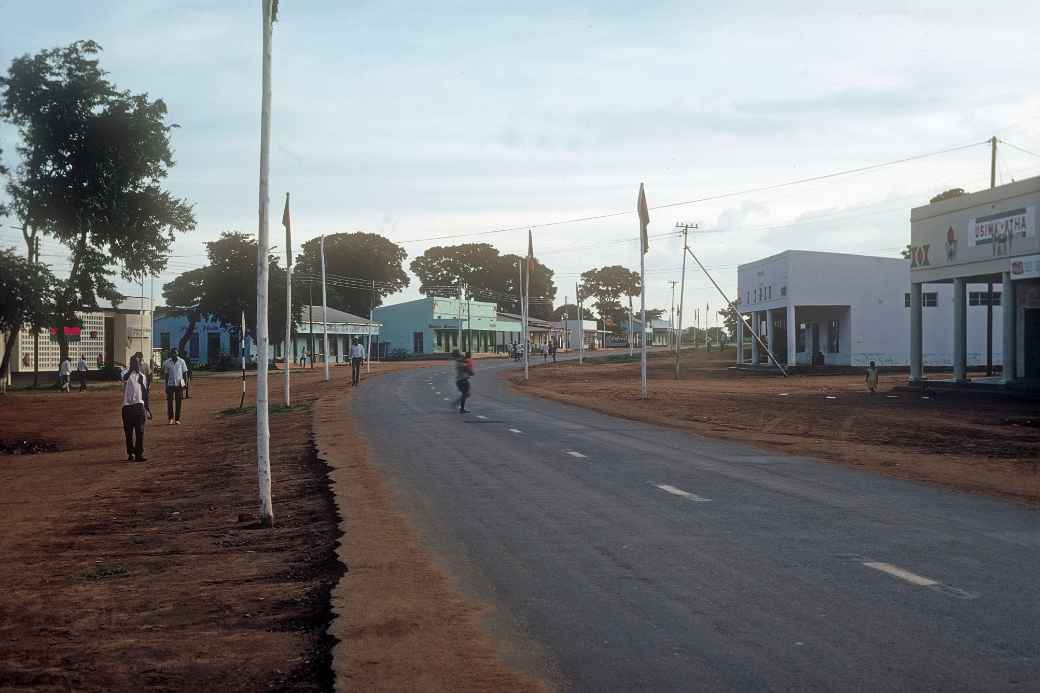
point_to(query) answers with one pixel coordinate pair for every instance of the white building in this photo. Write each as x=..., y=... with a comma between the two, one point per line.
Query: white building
x=850, y=310
x=987, y=236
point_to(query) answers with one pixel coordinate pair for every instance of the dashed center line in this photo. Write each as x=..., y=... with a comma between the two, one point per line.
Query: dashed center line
x=516, y=430
x=574, y=453
x=447, y=399
x=481, y=416
x=667, y=488
x=896, y=571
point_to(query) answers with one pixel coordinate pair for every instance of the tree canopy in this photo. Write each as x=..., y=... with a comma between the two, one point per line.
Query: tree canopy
x=25, y=290
x=606, y=286
x=226, y=286
x=488, y=276
x=92, y=162
x=361, y=256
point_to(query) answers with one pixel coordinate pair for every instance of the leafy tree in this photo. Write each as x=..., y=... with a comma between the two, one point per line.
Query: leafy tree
x=729, y=319
x=24, y=299
x=365, y=256
x=487, y=275
x=606, y=285
x=571, y=309
x=93, y=159
x=947, y=195
x=227, y=286
x=184, y=298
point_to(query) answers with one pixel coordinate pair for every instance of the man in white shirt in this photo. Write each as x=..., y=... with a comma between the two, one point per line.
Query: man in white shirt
x=174, y=369
x=135, y=409
x=357, y=355
x=65, y=373
x=81, y=368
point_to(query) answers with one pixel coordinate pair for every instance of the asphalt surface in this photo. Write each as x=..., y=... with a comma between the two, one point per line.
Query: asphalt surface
x=639, y=558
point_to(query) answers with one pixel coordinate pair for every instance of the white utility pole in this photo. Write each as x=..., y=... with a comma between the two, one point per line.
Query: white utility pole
x=631, y=333
x=682, y=289
x=242, y=353
x=324, y=309
x=371, y=308
x=288, y=299
x=581, y=326
x=644, y=247
x=263, y=431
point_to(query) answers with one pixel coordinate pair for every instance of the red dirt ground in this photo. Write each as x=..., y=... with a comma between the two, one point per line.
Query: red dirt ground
x=154, y=576
x=976, y=444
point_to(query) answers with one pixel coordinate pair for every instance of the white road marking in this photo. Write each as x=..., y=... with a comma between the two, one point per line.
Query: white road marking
x=481, y=416
x=574, y=453
x=831, y=397
x=516, y=430
x=684, y=494
x=896, y=571
x=446, y=399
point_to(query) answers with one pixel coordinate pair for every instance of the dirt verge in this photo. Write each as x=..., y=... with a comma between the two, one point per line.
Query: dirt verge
x=402, y=624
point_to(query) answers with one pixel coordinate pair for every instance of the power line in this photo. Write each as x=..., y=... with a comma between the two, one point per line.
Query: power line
x=1021, y=149
x=736, y=193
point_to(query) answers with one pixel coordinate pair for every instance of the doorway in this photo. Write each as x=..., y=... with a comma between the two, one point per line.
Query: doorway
x=212, y=347
x=1031, y=334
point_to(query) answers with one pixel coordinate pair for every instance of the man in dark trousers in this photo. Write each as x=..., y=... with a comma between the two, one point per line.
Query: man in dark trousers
x=135, y=410
x=463, y=372
x=357, y=356
x=174, y=370
x=81, y=369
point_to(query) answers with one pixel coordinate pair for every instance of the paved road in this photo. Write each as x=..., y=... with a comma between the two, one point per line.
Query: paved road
x=640, y=558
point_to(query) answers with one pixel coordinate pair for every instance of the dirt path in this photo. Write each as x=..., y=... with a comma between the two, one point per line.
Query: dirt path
x=980, y=445
x=402, y=624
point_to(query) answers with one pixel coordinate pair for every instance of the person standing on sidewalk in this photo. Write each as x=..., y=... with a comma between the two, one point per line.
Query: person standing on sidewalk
x=81, y=369
x=357, y=356
x=463, y=372
x=135, y=410
x=174, y=370
x=872, y=377
x=65, y=373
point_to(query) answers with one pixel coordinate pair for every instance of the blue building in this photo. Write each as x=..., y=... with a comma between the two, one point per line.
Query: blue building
x=210, y=340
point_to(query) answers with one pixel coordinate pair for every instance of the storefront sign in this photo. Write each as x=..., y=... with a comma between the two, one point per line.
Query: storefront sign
x=1000, y=231
x=1027, y=267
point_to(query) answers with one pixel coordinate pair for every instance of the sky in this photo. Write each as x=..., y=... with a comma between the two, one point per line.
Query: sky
x=417, y=120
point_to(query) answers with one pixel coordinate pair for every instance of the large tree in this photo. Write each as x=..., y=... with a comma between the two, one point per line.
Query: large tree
x=25, y=290
x=486, y=274
x=227, y=286
x=606, y=286
x=93, y=159
x=361, y=258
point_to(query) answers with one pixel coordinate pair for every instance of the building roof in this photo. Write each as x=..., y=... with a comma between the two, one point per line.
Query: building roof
x=537, y=322
x=814, y=253
x=334, y=316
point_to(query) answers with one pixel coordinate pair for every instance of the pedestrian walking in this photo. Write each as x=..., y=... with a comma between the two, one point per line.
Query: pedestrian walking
x=100, y=361
x=174, y=370
x=552, y=349
x=64, y=374
x=463, y=372
x=187, y=378
x=357, y=355
x=872, y=377
x=545, y=354
x=81, y=369
x=135, y=409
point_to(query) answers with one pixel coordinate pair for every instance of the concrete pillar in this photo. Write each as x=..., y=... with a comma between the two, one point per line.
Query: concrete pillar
x=916, y=334
x=770, y=332
x=960, y=330
x=792, y=337
x=740, y=338
x=755, y=329
x=1007, y=302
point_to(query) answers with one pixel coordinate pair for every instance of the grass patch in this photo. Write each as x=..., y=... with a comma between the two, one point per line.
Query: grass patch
x=104, y=572
x=275, y=409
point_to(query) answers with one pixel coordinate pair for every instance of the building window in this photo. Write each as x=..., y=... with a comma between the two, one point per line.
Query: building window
x=929, y=299
x=234, y=346
x=983, y=298
x=164, y=341
x=783, y=290
x=193, y=346
x=749, y=296
x=833, y=336
x=770, y=289
x=417, y=342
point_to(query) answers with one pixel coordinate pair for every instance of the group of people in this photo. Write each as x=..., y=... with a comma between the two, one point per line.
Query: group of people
x=136, y=379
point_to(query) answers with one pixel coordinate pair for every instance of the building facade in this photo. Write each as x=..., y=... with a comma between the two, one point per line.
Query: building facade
x=113, y=333
x=847, y=310
x=435, y=325
x=982, y=238
x=211, y=342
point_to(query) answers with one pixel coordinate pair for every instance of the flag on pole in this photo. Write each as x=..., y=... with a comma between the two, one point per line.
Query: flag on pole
x=288, y=233
x=644, y=220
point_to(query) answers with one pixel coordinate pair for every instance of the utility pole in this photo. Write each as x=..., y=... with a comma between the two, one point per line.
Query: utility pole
x=310, y=318
x=673, y=341
x=459, y=310
x=581, y=326
x=288, y=298
x=989, y=285
x=263, y=431
x=631, y=335
x=324, y=310
x=371, y=308
x=682, y=287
